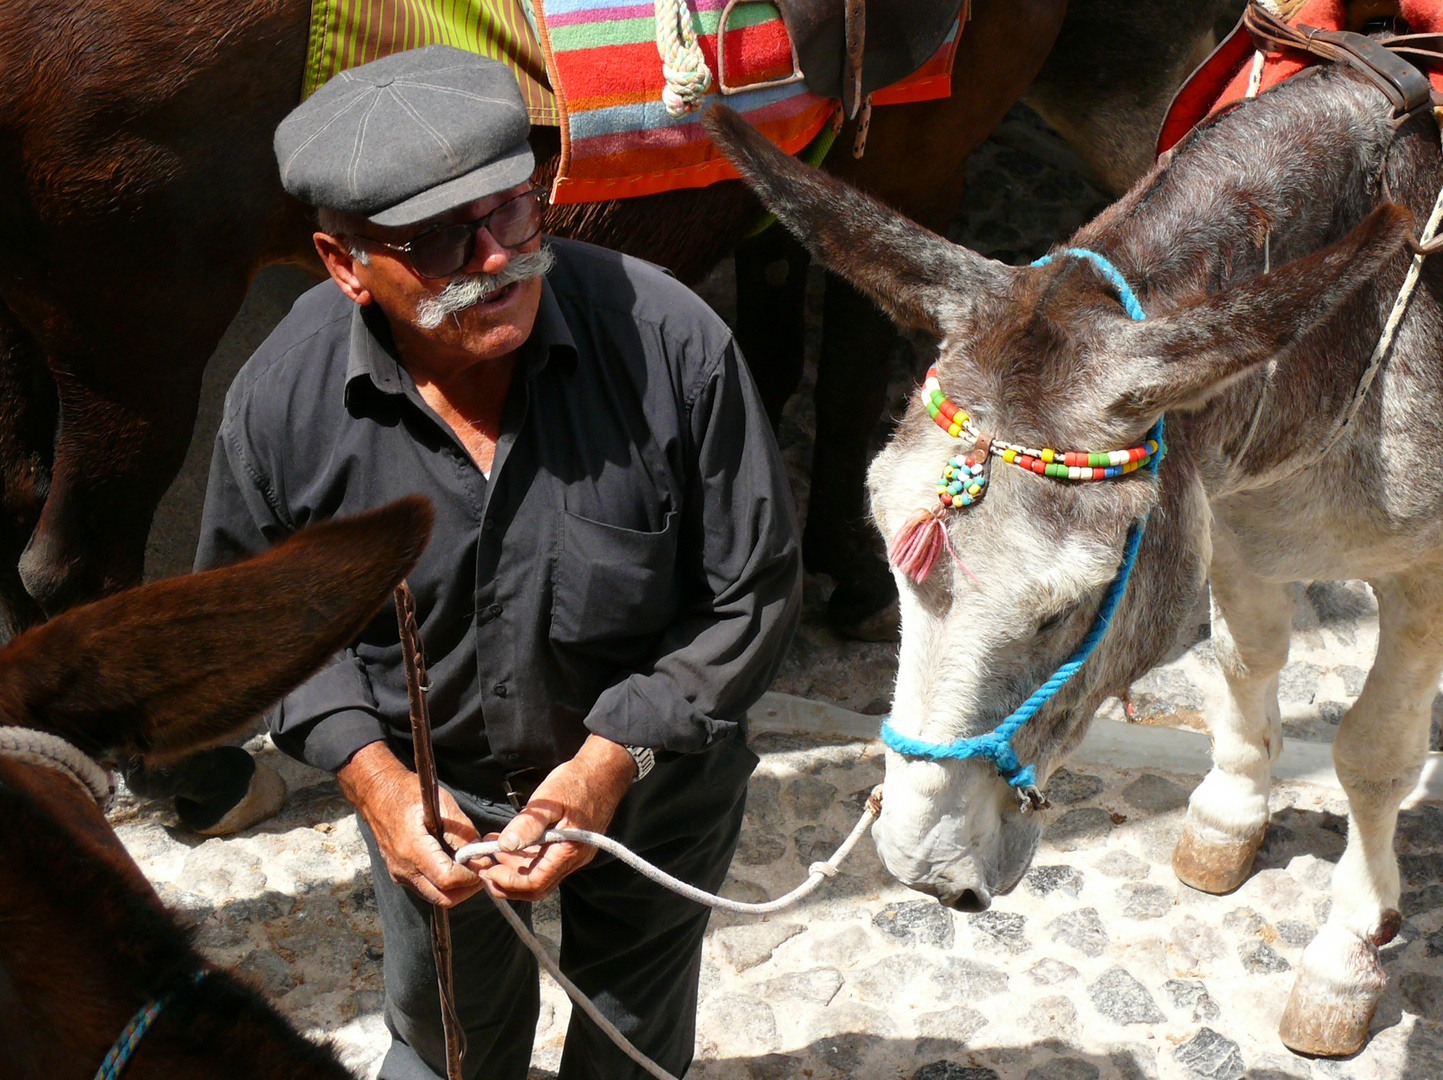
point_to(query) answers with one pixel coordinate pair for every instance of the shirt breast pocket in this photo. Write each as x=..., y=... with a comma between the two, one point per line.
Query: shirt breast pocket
x=613, y=585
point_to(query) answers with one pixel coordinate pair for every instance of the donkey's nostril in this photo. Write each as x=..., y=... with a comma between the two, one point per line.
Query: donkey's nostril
x=971, y=900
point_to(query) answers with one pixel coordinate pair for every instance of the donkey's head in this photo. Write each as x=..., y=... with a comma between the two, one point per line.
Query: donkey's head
x=1040, y=357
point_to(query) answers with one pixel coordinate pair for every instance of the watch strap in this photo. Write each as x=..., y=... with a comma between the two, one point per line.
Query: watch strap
x=645, y=758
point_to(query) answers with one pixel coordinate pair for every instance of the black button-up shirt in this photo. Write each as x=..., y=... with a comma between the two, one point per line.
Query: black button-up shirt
x=629, y=568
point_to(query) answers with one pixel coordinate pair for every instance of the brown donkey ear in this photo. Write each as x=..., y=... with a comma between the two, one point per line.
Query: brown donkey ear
x=171, y=666
x=1179, y=360
x=920, y=279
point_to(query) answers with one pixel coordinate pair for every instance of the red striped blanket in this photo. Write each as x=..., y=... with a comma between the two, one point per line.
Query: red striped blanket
x=617, y=137
x=592, y=68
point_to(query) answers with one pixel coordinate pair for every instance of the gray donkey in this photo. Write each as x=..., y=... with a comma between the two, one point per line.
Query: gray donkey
x=1266, y=255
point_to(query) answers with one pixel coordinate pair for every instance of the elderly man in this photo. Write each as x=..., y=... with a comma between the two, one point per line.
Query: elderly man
x=612, y=579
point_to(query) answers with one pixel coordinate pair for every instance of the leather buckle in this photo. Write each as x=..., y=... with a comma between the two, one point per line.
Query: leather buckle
x=513, y=793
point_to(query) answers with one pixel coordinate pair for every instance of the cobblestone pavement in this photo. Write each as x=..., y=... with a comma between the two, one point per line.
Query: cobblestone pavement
x=1100, y=965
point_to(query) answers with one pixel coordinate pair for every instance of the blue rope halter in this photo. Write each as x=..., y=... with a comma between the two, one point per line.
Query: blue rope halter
x=125, y=1043
x=996, y=745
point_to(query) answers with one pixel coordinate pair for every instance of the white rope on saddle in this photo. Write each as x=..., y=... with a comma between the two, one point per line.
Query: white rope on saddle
x=52, y=752
x=1255, y=77
x=816, y=873
x=682, y=62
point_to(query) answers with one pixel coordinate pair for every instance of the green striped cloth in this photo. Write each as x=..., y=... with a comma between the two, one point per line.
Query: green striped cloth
x=345, y=33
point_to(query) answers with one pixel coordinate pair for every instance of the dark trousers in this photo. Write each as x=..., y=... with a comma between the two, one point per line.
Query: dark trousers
x=633, y=947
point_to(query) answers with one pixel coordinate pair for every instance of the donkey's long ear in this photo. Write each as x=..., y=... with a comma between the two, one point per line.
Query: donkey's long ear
x=919, y=278
x=1181, y=359
x=169, y=667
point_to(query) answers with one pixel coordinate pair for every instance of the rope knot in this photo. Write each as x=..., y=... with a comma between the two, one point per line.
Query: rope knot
x=682, y=62
x=825, y=869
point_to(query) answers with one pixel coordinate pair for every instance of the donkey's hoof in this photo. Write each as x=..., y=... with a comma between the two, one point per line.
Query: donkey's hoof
x=1213, y=861
x=1324, y=1024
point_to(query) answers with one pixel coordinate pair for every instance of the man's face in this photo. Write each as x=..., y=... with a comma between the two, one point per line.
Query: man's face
x=486, y=330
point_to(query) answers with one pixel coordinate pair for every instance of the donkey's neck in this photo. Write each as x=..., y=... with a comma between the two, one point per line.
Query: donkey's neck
x=1271, y=181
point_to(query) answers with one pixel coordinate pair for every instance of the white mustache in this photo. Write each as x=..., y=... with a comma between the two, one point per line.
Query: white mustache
x=467, y=290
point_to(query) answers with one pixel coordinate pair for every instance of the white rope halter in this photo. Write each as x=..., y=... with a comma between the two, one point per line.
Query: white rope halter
x=52, y=752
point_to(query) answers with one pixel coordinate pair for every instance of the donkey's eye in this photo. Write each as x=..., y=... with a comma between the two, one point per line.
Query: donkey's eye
x=1051, y=622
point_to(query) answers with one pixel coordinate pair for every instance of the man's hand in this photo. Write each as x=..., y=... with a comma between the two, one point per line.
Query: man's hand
x=582, y=793
x=388, y=796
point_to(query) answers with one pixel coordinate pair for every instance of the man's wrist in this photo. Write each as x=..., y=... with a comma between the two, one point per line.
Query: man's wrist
x=612, y=758
x=358, y=776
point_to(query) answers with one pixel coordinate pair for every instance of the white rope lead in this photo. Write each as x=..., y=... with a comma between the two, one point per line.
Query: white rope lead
x=52, y=752
x=572, y=990
x=816, y=873
x=1390, y=330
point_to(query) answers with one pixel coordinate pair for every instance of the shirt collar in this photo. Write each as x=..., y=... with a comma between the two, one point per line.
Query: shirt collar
x=372, y=353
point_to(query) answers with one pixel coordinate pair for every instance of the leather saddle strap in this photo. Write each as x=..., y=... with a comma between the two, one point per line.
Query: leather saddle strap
x=855, y=26
x=425, y=756
x=1406, y=88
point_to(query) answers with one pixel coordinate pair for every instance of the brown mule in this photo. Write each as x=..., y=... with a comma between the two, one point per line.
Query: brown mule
x=139, y=196
x=159, y=670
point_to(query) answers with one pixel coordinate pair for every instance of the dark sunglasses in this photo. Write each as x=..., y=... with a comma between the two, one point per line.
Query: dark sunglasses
x=443, y=249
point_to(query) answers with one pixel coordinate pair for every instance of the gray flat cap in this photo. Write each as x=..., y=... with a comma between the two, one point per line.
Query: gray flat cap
x=408, y=136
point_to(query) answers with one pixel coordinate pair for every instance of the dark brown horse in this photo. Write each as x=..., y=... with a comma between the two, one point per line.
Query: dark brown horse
x=139, y=196
x=161, y=670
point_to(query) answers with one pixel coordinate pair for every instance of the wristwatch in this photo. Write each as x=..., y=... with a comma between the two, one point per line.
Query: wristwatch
x=644, y=757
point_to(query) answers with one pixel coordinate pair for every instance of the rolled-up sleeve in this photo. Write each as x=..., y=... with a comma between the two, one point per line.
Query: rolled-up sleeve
x=740, y=559
x=333, y=714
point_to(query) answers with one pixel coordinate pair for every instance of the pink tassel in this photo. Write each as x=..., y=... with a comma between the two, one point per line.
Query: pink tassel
x=919, y=544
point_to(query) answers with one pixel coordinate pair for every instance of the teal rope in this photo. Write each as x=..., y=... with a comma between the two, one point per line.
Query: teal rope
x=125, y=1043
x=1125, y=293
x=996, y=745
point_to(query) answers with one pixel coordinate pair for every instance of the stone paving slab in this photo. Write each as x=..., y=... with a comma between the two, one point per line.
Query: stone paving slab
x=1100, y=966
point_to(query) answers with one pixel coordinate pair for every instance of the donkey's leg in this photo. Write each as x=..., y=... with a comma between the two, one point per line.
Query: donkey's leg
x=771, y=276
x=1378, y=753
x=1228, y=812
x=124, y=429
x=850, y=396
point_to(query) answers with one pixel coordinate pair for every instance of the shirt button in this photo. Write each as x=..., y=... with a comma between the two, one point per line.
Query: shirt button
x=489, y=525
x=499, y=689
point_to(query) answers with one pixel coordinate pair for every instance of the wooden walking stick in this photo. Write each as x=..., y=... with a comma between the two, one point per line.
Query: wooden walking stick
x=416, y=687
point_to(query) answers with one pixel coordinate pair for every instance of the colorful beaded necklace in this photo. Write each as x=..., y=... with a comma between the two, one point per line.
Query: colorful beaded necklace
x=1062, y=464
x=919, y=542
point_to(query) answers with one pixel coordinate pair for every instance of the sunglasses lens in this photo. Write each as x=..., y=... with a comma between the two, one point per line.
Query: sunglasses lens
x=515, y=222
x=441, y=252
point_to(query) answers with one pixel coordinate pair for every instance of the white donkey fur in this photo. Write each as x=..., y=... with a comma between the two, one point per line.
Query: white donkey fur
x=1267, y=260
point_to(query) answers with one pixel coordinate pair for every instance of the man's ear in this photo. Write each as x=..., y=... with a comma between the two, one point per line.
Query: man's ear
x=335, y=252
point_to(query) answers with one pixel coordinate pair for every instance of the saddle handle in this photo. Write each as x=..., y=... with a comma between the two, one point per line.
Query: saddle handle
x=721, y=57
x=1408, y=90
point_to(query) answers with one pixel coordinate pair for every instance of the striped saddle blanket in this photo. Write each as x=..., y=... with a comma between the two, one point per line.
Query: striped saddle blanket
x=591, y=68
